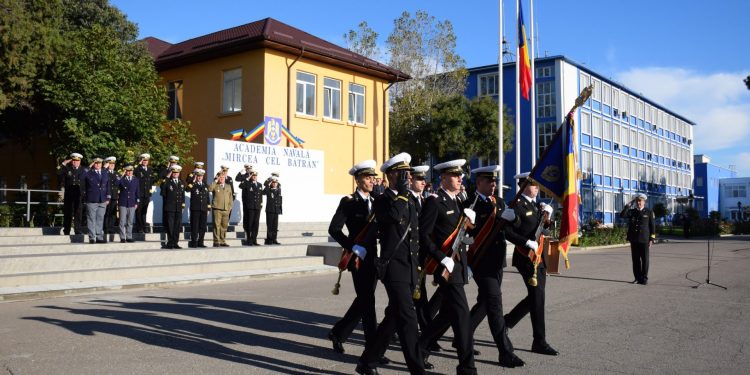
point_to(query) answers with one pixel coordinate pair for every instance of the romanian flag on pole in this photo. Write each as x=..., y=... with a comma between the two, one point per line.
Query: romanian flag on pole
x=557, y=175
x=524, y=72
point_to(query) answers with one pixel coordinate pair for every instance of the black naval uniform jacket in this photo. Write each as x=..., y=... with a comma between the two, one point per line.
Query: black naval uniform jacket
x=173, y=194
x=70, y=176
x=522, y=229
x=252, y=194
x=438, y=219
x=198, y=196
x=395, y=215
x=641, y=226
x=493, y=251
x=114, y=186
x=273, y=200
x=146, y=180
x=353, y=212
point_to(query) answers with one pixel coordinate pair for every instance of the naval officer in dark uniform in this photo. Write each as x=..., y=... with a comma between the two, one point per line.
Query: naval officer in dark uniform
x=521, y=232
x=252, y=203
x=70, y=173
x=145, y=176
x=487, y=260
x=398, y=231
x=641, y=234
x=438, y=222
x=199, y=205
x=173, y=193
x=110, y=214
x=424, y=315
x=355, y=211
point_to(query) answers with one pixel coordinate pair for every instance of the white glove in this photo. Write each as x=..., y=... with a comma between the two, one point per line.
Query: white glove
x=470, y=214
x=508, y=214
x=360, y=251
x=448, y=263
x=546, y=208
x=533, y=245
x=471, y=274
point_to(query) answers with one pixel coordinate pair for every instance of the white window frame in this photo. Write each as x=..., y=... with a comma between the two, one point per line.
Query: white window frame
x=331, y=98
x=586, y=123
x=487, y=84
x=304, y=107
x=546, y=102
x=231, y=97
x=357, y=104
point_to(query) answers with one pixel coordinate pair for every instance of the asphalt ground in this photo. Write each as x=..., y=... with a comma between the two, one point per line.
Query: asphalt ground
x=598, y=321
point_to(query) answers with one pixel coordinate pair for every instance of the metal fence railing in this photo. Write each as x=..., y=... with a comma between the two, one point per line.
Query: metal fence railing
x=27, y=198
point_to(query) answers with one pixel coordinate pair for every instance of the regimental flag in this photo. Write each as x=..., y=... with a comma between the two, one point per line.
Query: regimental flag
x=524, y=71
x=237, y=134
x=557, y=175
x=258, y=130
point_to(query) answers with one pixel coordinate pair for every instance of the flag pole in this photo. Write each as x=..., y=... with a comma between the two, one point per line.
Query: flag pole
x=533, y=91
x=500, y=120
x=518, y=93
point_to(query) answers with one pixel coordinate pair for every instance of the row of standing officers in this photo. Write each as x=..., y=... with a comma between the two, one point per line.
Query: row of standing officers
x=418, y=234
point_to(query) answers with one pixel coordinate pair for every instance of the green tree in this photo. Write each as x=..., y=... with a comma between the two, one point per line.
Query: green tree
x=363, y=41
x=660, y=211
x=86, y=83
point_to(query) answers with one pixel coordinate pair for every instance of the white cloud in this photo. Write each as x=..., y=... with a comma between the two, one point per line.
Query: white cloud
x=718, y=103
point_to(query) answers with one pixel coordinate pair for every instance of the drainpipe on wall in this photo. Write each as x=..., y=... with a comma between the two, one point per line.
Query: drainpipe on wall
x=385, y=115
x=288, y=93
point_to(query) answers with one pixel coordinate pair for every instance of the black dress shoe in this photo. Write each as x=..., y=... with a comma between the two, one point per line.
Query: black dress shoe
x=435, y=347
x=364, y=370
x=166, y=246
x=216, y=245
x=130, y=240
x=427, y=365
x=543, y=348
x=101, y=241
x=635, y=282
x=192, y=245
x=123, y=241
x=338, y=346
x=92, y=241
x=511, y=360
x=276, y=242
x=224, y=245
x=384, y=360
x=256, y=243
x=176, y=246
x=644, y=282
x=202, y=245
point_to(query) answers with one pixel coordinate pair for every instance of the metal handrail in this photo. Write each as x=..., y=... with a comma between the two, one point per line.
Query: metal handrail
x=28, y=198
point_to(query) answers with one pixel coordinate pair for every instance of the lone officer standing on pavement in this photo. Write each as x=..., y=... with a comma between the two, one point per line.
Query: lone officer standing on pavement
x=173, y=194
x=252, y=202
x=70, y=172
x=641, y=234
x=145, y=176
x=398, y=230
x=198, y=208
x=355, y=211
x=97, y=194
x=522, y=233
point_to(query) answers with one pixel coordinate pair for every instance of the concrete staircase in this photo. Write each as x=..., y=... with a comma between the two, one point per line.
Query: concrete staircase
x=39, y=262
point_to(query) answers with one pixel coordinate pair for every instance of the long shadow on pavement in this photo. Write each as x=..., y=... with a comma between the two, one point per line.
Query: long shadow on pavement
x=144, y=322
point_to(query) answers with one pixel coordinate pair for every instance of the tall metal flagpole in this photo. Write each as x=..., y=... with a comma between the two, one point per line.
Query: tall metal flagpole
x=518, y=94
x=532, y=92
x=500, y=120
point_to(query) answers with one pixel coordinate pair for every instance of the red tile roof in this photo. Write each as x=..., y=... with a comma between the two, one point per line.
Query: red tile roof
x=265, y=33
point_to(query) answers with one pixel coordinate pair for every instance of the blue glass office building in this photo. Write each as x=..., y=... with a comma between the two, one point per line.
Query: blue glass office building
x=628, y=144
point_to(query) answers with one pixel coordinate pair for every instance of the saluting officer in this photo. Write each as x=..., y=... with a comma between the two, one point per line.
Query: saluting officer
x=198, y=208
x=167, y=172
x=641, y=234
x=173, y=194
x=522, y=233
x=196, y=166
x=252, y=202
x=70, y=172
x=97, y=194
x=274, y=208
x=228, y=181
x=488, y=260
x=438, y=223
x=110, y=215
x=129, y=188
x=355, y=211
x=398, y=230
x=145, y=176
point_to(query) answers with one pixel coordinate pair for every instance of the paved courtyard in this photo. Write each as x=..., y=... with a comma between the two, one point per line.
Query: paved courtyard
x=598, y=321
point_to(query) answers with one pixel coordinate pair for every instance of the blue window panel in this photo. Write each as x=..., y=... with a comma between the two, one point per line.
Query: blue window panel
x=586, y=139
x=661, y=159
x=608, y=145
x=597, y=142
x=649, y=127
x=633, y=152
x=607, y=109
x=597, y=179
x=608, y=218
x=643, y=185
x=626, y=184
x=607, y=181
x=599, y=215
x=632, y=120
x=661, y=132
x=633, y=184
x=668, y=134
x=641, y=154
x=625, y=150
x=618, y=182
x=588, y=103
x=640, y=123
x=595, y=105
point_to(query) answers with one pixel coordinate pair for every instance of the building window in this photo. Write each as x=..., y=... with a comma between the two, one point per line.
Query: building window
x=615, y=98
x=488, y=84
x=597, y=163
x=586, y=123
x=597, y=127
x=232, y=99
x=606, y=91
x=608, y=130
x=543, y=72
x=356, y=103
x=586, y=162
x=597, y=94
x=331, y=98
x=735, y=191
x=545, y=99
x=174, y=93
x=546, y=131
x=305, y=93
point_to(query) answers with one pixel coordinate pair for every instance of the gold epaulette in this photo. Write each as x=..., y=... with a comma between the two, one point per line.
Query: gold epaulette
x=405, y=199
x=190, y=186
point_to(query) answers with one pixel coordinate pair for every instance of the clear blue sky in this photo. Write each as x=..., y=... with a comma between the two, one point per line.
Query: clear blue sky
x=687, y=55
